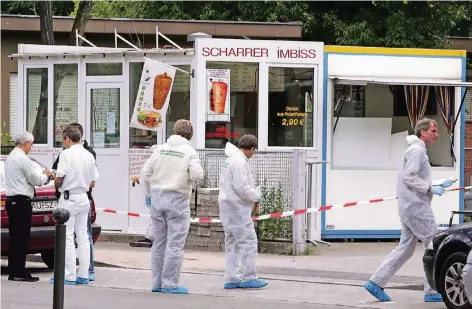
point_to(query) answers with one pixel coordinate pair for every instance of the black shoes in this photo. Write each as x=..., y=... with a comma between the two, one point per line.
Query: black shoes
x=26, y=278
x=146, y=243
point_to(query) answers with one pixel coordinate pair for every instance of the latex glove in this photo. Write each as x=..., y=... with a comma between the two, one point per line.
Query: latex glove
x=447, y=183
x=148, y=201
x=438, y=190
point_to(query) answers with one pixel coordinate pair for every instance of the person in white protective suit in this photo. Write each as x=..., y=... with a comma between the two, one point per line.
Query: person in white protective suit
x=170, y=172
x=415, y=190
x=237, y=198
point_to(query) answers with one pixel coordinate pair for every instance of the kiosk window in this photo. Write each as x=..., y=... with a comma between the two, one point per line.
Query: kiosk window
x=241, y=114
x=105, y=122
x=179, y=104
x=65, y=98
x=291, y=107
x=104, y=69
x=37, y=104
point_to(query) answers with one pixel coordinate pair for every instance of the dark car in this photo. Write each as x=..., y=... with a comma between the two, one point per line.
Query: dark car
x=444, y=263
x=43, y=230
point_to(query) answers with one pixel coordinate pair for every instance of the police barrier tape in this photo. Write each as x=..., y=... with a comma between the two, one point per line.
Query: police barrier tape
x=284, y=213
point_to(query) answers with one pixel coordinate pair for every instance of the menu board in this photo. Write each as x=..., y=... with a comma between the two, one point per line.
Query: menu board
x=245, y=77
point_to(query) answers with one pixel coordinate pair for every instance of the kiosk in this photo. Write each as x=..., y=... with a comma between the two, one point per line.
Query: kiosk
x=274, y=91
x=373, y=98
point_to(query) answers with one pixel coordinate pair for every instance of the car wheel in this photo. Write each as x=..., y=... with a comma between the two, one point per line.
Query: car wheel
x=450, y=282
x=48, y=258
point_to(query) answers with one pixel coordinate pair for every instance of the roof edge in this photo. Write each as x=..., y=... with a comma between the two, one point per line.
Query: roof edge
x=292, y=23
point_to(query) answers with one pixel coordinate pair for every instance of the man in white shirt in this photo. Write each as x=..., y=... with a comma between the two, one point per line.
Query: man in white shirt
x=76, y=173
x=168, y=176
x=20, y=178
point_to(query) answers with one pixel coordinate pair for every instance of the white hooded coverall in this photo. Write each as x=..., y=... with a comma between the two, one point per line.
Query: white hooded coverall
x=414, y=208
x=236, y=199
x=171, y=170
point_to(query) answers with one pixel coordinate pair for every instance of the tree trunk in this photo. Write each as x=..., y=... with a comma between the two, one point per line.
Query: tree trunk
x=40, y=129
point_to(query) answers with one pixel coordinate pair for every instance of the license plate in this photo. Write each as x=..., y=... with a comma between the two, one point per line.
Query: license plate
x=46, y=206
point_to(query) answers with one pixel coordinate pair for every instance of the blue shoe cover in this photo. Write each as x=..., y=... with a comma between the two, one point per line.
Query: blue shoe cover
x=232, y=285
x=376, y=291
x=177, y=290
x=66, y=282
x=156, y=289
x=81, y=281
x=253, y=284
x=433, y=298
x=91, y=277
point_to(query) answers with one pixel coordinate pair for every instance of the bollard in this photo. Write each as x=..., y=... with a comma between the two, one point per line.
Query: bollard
x=61, y=216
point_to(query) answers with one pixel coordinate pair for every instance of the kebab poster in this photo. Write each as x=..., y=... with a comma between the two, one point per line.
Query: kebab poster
x=218, y=106
x=153, y=97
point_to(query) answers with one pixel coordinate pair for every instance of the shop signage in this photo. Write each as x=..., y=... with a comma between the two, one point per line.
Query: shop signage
x=218, y=90
x=260, y=51
x=153, y=97
x=222, y=132
x=292, y=117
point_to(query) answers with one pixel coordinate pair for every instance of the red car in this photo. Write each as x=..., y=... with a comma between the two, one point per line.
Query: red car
x=43, y=225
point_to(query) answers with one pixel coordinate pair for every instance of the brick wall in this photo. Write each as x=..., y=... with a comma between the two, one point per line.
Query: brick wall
x=205, y=236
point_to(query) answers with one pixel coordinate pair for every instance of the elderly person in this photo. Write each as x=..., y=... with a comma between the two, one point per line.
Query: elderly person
x=75, y=176
x=167, y=176
x=237, y=199
x=20, y=178
x=415, y=192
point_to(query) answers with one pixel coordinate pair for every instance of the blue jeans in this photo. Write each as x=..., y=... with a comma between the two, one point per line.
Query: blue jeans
x=89, y=230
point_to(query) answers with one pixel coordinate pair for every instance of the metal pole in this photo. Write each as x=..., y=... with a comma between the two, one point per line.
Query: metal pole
x=61, y=216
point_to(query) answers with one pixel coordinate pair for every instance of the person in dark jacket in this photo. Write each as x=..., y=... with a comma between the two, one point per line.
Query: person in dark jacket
x=89, y=193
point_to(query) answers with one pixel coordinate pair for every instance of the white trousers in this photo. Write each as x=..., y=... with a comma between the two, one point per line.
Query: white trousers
x=78, y=207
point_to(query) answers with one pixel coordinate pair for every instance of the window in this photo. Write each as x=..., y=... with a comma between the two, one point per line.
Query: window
x=103, y=69
x=14, y=105
x=291, y=107
x=105, y=122
x=370, y=133
x=243, y=105
x=400, y=106
x=65, y=98
x=349, y=101
x=37, y=104
x=179, y=104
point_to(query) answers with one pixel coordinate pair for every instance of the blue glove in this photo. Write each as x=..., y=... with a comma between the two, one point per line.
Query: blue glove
x=148, y=201
x=438, y=190
x=447, y=183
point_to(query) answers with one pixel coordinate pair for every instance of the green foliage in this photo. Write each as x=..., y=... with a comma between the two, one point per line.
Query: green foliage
x=274, y=201
x=420, y=24
x=7, y=144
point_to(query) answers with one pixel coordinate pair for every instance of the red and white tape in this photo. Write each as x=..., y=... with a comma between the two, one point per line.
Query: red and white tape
x=284, y=213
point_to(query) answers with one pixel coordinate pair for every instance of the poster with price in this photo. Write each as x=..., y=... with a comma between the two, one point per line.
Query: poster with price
x=153, y=97
x=292, y=117
x=218, y=89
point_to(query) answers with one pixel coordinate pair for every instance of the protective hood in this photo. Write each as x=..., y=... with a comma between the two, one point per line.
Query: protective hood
x=231, y=150
x=412, y=139
x=177, y=140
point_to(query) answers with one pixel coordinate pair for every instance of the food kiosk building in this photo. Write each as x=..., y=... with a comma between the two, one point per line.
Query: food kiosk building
x=327, y=100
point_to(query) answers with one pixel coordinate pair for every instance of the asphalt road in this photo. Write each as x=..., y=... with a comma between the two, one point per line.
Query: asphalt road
x=39, y=295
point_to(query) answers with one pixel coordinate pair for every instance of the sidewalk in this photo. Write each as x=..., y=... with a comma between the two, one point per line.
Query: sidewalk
x=342, y=263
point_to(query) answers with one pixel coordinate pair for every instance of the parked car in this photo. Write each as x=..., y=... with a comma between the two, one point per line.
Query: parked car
x=43, y=230
x=445, y=261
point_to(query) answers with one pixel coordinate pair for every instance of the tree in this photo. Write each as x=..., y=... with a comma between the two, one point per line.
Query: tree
x=83, y=15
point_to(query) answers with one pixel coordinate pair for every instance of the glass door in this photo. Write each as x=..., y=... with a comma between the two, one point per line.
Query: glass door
x=103, y=116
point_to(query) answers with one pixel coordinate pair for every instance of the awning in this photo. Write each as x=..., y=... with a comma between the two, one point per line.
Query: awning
x=353, y=80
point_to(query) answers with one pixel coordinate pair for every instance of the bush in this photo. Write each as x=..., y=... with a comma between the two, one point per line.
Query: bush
x=7, y=144
x=274, y=201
